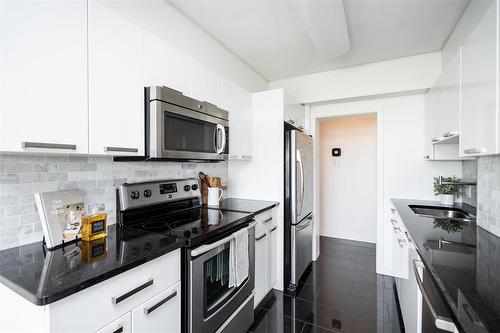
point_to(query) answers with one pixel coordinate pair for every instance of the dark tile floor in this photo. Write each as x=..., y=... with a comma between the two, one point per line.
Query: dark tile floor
x=341, y=293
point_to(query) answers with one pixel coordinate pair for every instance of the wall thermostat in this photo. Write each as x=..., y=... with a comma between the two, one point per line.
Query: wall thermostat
x=336, y=152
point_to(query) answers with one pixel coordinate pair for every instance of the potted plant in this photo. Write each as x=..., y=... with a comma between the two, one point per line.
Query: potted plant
x=448, y=192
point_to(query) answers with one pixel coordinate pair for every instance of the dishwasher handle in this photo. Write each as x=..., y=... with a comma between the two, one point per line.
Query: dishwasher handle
x=443, y=323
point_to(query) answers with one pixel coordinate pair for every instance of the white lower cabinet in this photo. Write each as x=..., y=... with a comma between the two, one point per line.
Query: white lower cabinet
x=410, y=299
x=260, y=266
x=162, y=313
x=265, y=254
x=118, y=304
x=120, y=325
x=273, y=253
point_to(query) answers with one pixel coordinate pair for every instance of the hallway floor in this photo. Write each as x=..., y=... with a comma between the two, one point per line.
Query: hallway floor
x=341, y=293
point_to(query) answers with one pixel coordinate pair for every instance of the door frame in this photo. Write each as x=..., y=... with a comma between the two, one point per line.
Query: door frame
x=314, y=117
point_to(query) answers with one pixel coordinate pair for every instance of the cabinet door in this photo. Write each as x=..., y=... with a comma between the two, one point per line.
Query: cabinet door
x=166, y=66
x=451, y=96
x=44, y=76
x=120, y=325
x=116, y=91
x=479, y=90
x=238, y=102
x=206, y=85
x=273, y=253
x=260, y=266
x=161, y=313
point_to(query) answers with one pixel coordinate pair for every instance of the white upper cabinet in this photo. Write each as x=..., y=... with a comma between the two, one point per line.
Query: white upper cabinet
x=116, y=88
x=206, y=85
x=451, y=97
x=238, y=102
x=166, y=66
x=478, y=127
x=44, y=76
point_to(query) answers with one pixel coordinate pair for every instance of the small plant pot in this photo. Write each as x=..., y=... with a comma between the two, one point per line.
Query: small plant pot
x=448, y=199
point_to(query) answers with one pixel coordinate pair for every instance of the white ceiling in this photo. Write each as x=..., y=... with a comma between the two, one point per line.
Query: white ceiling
x=269, y=36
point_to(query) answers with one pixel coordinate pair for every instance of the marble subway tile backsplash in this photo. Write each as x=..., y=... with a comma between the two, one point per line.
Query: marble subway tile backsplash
x=488, y=193
x=21, y=176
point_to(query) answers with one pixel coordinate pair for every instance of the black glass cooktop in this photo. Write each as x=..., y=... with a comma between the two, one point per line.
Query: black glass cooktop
x=194, y=225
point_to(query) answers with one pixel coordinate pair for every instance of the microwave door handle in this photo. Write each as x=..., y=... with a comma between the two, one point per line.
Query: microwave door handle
x=220, y=129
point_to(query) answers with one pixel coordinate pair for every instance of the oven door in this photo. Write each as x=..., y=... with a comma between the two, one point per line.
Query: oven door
x=180, y=133
x=211, y=300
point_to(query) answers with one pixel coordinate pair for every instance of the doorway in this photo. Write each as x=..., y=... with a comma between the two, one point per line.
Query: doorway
x=348, y=177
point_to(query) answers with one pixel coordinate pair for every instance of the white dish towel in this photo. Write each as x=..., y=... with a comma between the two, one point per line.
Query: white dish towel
x=238, y=258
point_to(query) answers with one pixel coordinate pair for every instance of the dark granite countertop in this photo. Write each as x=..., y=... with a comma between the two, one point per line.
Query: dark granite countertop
x=468, y=278
x=246, y=206
x=43, y=277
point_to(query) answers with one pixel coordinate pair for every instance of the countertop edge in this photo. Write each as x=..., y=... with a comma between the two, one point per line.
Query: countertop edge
x=47, y=300
x=449, y=303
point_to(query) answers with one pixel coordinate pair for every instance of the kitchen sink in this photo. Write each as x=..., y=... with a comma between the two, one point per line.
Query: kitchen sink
x=441, y=212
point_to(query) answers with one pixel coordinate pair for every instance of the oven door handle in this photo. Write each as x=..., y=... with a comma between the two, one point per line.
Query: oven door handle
x=205, y=248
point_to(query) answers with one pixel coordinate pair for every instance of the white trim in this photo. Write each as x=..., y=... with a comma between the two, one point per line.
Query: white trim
x=351, y=111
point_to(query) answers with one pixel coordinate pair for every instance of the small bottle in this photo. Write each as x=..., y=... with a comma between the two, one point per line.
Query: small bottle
x=94, y=222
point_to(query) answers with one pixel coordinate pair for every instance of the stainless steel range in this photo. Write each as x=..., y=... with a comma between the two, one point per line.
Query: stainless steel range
x=173, y=208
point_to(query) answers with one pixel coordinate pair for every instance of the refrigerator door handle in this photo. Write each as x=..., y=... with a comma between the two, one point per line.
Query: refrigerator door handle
x=301, y=169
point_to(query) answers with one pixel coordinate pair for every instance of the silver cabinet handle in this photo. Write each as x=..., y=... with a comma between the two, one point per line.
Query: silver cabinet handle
x=45, y=145
x=261, y=237
x=116, y=300
x=475, y=151
x=268, y=220
x=407, y=236
x=393, y=210
x=435, y=139
x=121, y=149
x=273, y=229
x=160, y=303
x=443, y=323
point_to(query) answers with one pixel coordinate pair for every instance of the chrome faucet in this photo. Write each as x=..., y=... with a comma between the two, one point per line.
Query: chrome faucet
x=444, y=182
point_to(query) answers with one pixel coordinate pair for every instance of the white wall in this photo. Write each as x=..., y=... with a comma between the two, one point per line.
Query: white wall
x=348, y=184
x=262, y=178
x=166, y=22
x=414, y=73
x=401, y=170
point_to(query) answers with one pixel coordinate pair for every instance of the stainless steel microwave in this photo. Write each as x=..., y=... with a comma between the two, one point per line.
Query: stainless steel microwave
x=182, y=128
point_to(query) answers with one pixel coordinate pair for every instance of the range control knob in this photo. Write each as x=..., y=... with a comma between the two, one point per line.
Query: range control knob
x=147, y=193
x=135, y=195
x=194, y=187
x=187, y=187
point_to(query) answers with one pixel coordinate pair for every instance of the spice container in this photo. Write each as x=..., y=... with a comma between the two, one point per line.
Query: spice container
x=94, y=223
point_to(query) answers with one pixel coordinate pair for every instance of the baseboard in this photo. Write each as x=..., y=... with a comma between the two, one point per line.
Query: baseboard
x=354, y=237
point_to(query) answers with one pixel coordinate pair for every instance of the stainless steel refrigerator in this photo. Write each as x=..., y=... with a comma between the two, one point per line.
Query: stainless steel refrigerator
x=298, y=205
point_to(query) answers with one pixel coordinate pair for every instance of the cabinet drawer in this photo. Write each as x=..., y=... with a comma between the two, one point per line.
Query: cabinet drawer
x=116, y=296
x=161, y=313
x=121, y=325
x=264, y=221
